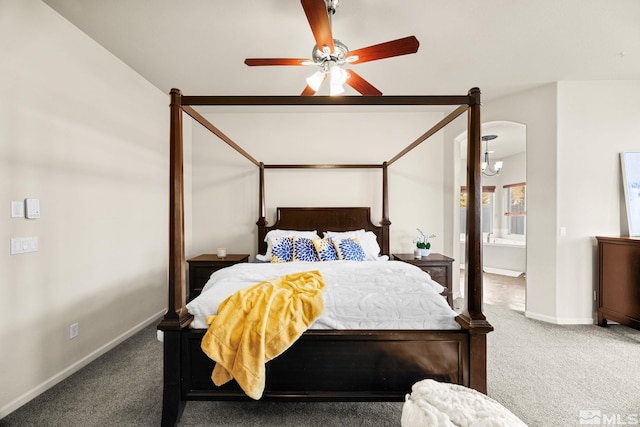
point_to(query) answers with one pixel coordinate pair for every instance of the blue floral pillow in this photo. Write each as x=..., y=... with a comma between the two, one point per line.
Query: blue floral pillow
x=349, y=249
x=325, y=250
x=282, y=249
x=304, y=250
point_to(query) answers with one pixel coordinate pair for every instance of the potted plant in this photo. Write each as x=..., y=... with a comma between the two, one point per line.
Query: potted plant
x=423, y=246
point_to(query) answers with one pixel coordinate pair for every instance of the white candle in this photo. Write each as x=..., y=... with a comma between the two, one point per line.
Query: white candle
x=222, y=252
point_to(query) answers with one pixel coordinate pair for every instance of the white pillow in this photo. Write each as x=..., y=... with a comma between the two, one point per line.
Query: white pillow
x=275, y=234
x=367, y=240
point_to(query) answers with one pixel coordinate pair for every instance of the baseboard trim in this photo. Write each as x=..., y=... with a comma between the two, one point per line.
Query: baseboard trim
x=60, y=376
x=559, y=321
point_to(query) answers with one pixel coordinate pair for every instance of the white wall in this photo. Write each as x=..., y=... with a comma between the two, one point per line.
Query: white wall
x=83, y=133
x=596, y=122
x=226, y=184
x=537, y=110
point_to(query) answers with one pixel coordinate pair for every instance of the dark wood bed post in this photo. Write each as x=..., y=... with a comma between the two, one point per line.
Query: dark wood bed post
x=177, y=316
x=472, y=317
x=262, y=217
x=385, y=223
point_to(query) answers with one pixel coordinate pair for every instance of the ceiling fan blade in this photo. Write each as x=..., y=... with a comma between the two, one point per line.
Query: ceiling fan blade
x=318, y=17
x=275, y=61
x=361, y=85
x=388, y=49
x=308, y=91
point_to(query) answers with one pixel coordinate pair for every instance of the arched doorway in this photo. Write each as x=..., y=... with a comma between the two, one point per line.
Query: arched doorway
x=504, y=211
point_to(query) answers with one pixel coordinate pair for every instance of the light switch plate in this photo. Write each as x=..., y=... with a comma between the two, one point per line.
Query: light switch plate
x=23, y=245
x=17, y=209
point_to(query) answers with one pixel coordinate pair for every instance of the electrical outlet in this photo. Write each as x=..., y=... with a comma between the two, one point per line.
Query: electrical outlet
x=74, y=330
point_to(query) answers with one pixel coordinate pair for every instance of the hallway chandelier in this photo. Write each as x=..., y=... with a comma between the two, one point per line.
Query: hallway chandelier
x=487, y=168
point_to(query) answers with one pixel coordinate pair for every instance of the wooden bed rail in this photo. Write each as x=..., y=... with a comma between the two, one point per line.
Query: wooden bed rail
x=442, y=123
x=326, y=100
x=207, y=124
x=324, y=166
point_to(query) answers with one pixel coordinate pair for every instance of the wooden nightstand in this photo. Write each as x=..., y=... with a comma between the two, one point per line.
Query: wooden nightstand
x=439, y=268
x=201, y=267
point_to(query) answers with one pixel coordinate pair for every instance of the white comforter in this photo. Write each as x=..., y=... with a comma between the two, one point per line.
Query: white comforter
x=358, y=295
x=434, y=403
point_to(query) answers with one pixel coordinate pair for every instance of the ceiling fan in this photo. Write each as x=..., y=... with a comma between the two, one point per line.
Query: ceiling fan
x=331, y=55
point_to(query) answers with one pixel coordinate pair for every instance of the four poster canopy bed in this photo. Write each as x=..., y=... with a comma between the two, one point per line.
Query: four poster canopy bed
x=328, y=363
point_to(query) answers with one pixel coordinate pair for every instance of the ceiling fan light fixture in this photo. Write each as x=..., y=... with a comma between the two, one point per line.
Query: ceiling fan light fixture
x=323, y=54
x=315, y=80
x=338, y=75
x=336, y=90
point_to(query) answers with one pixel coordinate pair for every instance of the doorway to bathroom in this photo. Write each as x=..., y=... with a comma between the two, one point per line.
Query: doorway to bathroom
x=503, y=212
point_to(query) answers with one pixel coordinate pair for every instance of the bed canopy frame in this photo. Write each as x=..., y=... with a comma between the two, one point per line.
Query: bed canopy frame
x=182, y=364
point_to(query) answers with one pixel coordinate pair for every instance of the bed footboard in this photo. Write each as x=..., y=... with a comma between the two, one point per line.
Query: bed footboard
x=341, y=365
x=324, y=366
x=363, y=365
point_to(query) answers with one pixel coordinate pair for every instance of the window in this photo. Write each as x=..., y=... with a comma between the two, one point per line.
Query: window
x=487, y=209
x=516, y=208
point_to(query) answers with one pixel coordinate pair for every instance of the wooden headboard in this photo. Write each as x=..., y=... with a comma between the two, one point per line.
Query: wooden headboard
x=325, y=219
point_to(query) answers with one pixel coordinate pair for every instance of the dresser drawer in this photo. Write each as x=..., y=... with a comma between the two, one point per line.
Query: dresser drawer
x=200, y=277
x=201, y=268
x=203, y=273
x=439, y=274
x=437, y=265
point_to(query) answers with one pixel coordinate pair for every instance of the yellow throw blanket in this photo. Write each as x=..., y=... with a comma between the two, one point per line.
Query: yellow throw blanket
x=258, y=323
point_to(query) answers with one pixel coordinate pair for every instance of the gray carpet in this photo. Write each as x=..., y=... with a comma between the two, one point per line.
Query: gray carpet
x=543, y=373
x=546, y=374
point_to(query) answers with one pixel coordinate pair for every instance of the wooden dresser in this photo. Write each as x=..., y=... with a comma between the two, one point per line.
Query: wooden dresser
x=618, y=294
x=437, y=265
x=201, y=267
